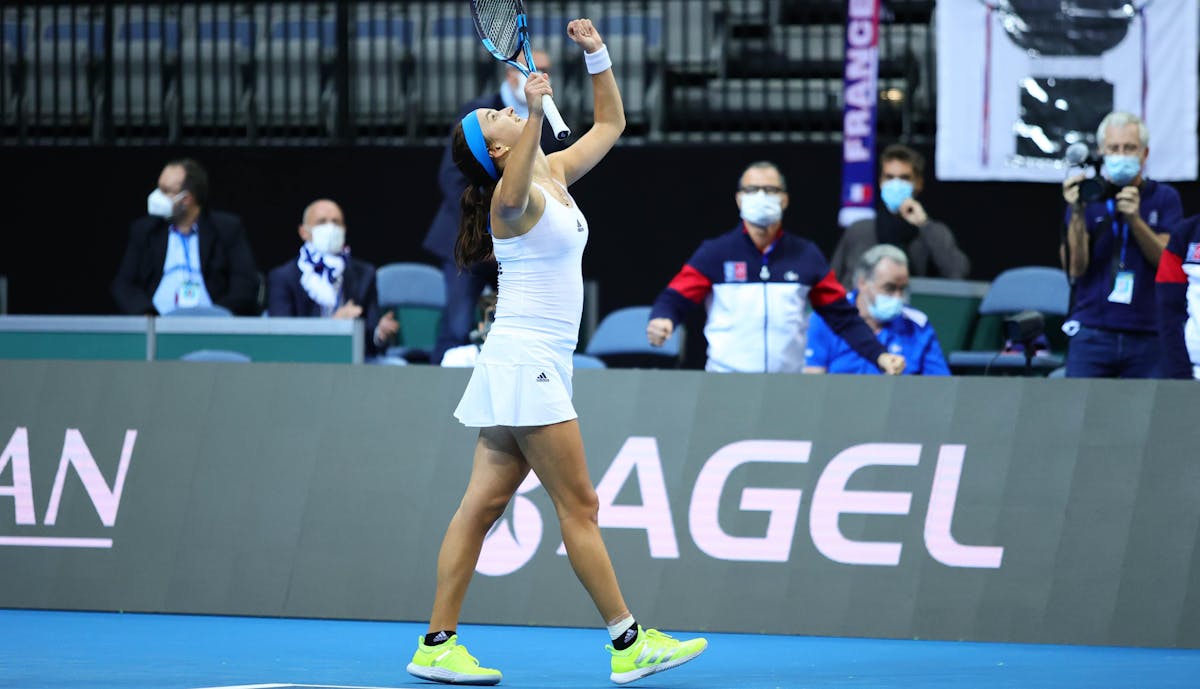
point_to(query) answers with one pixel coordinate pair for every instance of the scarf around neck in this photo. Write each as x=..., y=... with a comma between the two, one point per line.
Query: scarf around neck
x=321, y=275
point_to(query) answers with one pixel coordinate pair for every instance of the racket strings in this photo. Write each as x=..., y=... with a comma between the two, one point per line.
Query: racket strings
x=498, y=19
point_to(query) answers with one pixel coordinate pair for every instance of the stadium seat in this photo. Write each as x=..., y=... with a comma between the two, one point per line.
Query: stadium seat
x=1030, y=288
x=294, y=81
x=381, y=56
x=417, y=294
x=146, y=51
x=217, y=77
x=451, y=46
x=14, y=57
x=67, y=66
x=620, y=341
x=586, y=361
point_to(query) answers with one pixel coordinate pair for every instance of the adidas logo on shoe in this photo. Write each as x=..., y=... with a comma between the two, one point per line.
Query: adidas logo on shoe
x=543, y=378
x=629, y=635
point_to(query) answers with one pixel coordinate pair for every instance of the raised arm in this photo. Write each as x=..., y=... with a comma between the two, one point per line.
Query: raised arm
x=575, y=161
x=510, y=202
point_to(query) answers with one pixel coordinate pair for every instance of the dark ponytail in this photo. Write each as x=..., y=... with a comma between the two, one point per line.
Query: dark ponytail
x=474, y=242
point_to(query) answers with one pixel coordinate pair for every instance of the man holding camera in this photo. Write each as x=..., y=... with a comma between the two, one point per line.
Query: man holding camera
x=1117, y=227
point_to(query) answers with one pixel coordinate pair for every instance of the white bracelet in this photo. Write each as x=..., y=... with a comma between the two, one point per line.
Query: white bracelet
x=598, y=61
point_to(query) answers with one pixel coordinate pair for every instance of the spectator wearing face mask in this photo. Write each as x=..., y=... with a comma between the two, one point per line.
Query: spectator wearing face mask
x=881, y=279
x=1112, y=253
x=463, y=286
x=902, y=221
x=182, y=254
x=325, y=281
x=755, y=280
x=465, y=355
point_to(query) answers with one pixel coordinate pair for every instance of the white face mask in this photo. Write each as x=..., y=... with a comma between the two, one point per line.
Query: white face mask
x=161, y=205
x=762, y=209
x=519, y=89
x=328, y=238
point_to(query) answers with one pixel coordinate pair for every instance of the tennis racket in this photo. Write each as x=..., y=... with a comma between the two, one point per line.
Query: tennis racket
x=503, y=27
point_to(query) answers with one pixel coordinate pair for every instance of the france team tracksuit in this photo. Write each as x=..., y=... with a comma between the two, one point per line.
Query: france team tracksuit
x=1178, y=290
x=756, y=302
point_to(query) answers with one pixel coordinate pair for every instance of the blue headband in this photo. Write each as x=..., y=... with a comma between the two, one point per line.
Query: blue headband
x=474, y=136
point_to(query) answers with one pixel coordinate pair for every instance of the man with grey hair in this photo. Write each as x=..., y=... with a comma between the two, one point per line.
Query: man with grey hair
x=326, y=282
x=756, y=281
x=1116, y=233
x=881, y=279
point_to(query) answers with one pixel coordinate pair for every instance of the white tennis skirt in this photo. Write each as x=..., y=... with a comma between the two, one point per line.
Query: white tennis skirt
x=508, y=394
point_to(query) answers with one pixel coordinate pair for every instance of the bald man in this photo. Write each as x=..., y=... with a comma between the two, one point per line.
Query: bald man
x=324, y=281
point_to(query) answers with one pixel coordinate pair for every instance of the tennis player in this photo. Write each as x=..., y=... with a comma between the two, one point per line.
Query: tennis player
x=519, y=395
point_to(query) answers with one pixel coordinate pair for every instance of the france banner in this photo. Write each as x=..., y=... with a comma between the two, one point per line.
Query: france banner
x=860, y=86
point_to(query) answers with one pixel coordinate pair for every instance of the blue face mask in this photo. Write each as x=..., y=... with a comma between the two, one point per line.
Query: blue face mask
x=886, y=307
x=895, y=192
x=1122, y=169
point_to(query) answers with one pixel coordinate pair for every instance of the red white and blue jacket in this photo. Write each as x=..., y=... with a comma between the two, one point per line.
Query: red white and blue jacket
x=1178, y=290
x=757, y=321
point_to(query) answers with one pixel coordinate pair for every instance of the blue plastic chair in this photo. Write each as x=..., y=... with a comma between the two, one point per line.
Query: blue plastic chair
x=410, y=284
x=620, y=341
x=417, y=294
x=1032, y=288
x=585, y=361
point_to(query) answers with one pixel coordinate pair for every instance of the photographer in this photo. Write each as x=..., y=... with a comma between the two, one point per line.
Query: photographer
x=1118, y=224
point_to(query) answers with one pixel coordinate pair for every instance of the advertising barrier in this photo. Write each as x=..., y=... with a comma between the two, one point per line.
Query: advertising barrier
x=1028, y=510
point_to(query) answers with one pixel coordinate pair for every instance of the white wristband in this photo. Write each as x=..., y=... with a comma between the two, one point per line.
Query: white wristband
x=598, y=61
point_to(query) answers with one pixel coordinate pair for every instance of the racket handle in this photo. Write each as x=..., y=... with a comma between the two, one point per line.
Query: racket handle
x=561, y=130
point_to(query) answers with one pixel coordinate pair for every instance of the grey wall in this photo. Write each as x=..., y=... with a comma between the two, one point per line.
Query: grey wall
x=967, y=508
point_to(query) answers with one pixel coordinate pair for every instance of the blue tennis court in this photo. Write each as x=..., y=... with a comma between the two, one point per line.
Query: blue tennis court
x=62, y=650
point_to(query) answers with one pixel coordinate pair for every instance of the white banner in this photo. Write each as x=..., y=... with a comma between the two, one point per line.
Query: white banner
x=1020, y=80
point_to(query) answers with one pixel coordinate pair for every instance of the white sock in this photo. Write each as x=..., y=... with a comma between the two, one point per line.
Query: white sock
x=622, y=625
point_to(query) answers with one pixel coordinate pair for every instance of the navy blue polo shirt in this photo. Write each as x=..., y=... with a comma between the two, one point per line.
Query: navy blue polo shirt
x=1161, y=209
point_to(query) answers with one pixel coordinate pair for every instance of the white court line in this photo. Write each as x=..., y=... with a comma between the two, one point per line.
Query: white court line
x=300, y=686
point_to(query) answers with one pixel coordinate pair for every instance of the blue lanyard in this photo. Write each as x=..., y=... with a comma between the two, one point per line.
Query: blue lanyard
x=187, y=256
x=1121, y=229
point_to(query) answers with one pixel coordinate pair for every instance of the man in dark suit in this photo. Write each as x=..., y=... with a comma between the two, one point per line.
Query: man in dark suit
x=326, y=282
x=463, y=288
x=182, y=254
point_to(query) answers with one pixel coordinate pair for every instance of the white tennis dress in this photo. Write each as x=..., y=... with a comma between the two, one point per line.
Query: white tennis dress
x=523, y=374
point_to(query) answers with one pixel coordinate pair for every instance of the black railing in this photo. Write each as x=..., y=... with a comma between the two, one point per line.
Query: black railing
x=376, y=72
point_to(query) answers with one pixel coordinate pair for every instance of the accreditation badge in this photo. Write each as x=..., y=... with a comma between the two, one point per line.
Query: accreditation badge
x=1122, y=292
x=188, y=295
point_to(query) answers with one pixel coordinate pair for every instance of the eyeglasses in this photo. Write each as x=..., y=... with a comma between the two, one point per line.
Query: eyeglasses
x=755, y=188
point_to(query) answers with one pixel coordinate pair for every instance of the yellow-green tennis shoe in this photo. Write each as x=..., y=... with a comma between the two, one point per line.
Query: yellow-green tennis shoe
x=450, y=663
x=652, y=652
